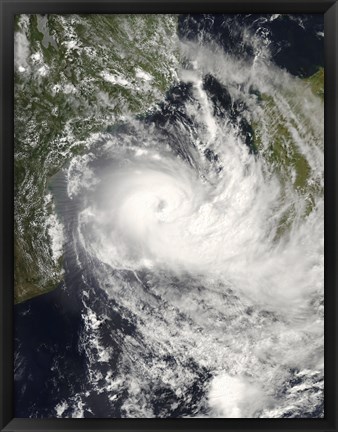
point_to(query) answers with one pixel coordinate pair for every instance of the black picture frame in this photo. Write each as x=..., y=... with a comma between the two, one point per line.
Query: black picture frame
x=8, y=9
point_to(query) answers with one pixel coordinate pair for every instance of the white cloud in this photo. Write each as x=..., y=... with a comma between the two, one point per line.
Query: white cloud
x=21, y=51
x=236, y=397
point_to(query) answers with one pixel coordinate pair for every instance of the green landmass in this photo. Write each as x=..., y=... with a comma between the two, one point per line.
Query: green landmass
x=283, y=153
x=316, y=83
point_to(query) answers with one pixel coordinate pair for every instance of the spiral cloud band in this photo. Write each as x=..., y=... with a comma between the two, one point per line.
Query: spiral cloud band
x=208, y=243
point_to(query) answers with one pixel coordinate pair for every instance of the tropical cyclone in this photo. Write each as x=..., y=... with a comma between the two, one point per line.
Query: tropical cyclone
x=208, y=235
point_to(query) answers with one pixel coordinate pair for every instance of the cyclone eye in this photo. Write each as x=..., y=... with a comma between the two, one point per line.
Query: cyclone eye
x=161, y=205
